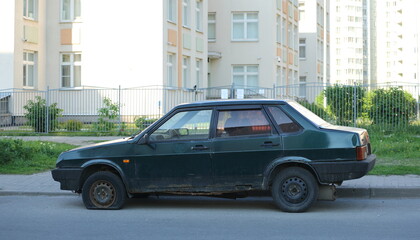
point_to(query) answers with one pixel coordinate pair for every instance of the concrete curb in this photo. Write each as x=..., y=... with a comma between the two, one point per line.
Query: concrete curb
x=378, y=192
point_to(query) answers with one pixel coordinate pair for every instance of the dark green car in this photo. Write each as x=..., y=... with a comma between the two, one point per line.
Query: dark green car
x=221, y=148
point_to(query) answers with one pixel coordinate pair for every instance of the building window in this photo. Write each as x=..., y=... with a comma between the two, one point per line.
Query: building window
x=199, y=73
x=29, y=70
x=70, y=10
x=283, y=31
x=302, y=48
x=278, y=29
x=185, y=72
x=245, y=76
x=71, y=70
x=199, y=15
x=29, y=9
x=212, y=27
x=172, y=10
x=186, y=13
x=278, y=76
x=170, y=64
x=245, y=26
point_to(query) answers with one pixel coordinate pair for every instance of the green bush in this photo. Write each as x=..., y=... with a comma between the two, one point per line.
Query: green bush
x=107, y=116
x=315, y=108
x=143, y=122
x=341, y=100
x=36, y=113
x=392, y=106
x=73, y=125
x=12, y=149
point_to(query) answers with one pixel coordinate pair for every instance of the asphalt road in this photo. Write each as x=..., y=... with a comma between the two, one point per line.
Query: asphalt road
x=64, y=217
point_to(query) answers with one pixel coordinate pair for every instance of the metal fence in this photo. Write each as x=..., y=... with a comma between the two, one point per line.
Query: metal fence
x=126, y=110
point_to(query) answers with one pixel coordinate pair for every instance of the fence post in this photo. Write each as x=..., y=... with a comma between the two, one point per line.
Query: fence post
x=232, y=91
x=274, y=91
x=354, y=104
x=119, y=107
x=47, y=111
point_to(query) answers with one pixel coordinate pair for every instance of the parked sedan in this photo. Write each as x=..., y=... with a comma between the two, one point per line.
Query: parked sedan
x=221, y=148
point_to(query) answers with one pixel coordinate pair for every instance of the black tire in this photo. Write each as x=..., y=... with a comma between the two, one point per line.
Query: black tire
x=103, y=190
x=294, y=189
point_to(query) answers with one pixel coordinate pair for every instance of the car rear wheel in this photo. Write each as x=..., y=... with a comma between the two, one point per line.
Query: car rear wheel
x=294, y=189
x=103, y=190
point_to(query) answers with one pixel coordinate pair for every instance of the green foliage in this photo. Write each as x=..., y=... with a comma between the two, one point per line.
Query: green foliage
x=143, y=122
x=341, y=101
x=392, y=106
x=107, y=116
x=73, y=125
x=36, y=113
x=30, y=156
x=12, y=149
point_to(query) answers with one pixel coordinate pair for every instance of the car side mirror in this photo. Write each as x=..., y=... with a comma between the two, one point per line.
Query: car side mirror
x=144, y=139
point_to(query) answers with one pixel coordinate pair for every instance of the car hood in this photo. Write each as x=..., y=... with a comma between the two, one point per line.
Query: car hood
x=98, y=150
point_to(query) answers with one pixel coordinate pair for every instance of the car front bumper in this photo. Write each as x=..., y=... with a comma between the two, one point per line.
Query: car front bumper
x=335, y=172
x=69, y=178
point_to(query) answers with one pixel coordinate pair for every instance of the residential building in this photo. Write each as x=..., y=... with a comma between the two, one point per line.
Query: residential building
x=253, y=44
x=314, y=47
x=395, y=41
x=349, y=41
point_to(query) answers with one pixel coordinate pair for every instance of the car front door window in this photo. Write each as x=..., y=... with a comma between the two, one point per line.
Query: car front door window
x=191, y=125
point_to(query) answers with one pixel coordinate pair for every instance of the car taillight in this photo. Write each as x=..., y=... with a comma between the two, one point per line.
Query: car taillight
x=361, y=153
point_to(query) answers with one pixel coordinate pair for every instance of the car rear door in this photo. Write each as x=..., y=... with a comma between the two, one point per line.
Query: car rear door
x=245, y=142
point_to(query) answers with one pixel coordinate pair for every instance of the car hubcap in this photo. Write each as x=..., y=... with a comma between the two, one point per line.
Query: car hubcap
x=294, y=190
x=102, y=193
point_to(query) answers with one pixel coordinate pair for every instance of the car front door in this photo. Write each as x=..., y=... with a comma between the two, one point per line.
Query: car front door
x=244, y=144
x=177, y=154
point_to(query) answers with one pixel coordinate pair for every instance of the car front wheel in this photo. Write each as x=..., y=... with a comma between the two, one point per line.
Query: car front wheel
x=103, y=190
x=294, y=189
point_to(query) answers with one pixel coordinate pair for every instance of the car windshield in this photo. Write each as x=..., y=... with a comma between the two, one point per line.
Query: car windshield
x=308, y=114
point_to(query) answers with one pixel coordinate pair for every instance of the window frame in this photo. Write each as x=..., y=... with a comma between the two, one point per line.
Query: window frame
x=213, y=22
x=72, y=17
x=186, y=18
x=72, y=63
x=172, y=11
x=246, y=74
x=186, y=70
x=170, y=78
x=25, y=74
x=26, y=4
x=199, y=15
x=245, y=21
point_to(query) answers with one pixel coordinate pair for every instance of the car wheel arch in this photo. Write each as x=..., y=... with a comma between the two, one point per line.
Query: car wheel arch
x=97, y=165
x=279, y=164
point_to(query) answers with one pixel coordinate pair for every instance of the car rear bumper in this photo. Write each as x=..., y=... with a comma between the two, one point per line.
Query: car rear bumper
x=334, y=172
x=69, y=178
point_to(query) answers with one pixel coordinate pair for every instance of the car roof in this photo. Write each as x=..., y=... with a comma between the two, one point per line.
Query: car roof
x=232, y=102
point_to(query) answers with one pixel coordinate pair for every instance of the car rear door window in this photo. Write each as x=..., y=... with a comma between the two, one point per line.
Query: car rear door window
x=233, y=123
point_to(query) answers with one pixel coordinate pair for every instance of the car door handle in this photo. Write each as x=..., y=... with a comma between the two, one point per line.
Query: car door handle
x=199, y=148
x=269, y=144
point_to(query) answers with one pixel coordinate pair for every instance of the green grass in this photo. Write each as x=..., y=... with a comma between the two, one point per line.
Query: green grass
x=33, y=157
x=398, y=153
